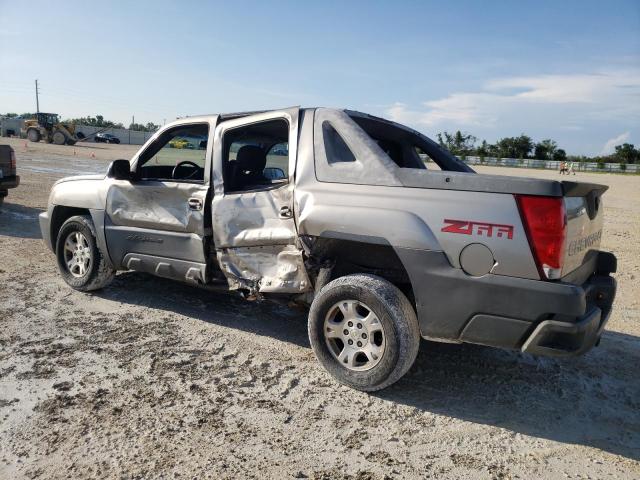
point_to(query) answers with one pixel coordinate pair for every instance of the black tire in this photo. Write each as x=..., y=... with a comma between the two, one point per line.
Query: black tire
x=98, y=273
x=33, y=135
x=59, y=138
x=395, y=313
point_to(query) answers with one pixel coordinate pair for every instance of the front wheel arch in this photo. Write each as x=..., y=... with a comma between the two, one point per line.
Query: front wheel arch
x=98, y=272
x=61, y=214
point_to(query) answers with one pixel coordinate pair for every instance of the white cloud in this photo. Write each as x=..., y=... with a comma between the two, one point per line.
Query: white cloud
x=559, y=98
x=609, y=147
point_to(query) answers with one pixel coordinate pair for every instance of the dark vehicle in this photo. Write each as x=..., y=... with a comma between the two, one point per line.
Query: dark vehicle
x=106, y=138
x=8, y=177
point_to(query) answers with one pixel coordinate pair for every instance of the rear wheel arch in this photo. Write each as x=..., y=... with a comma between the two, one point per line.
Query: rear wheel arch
x=332, y=258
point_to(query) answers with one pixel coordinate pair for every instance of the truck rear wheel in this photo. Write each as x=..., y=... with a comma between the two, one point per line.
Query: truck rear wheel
x=33, y=135
x=364, y=331
x=59, y=138
x=80, y=261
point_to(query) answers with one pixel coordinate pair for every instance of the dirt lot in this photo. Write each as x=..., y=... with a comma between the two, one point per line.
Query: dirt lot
x=149, y=378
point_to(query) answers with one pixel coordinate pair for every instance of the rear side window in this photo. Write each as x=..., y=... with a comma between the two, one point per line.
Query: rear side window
x=256, y=156
x=335, y=146
x=426, y=159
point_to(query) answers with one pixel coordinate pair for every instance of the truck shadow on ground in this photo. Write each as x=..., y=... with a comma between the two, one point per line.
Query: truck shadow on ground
x=229, y=310
x=592, y=400
x=19, y=221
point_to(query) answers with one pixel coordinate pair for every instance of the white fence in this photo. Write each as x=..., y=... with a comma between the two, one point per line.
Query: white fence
x=125, y=136
x=553, y=164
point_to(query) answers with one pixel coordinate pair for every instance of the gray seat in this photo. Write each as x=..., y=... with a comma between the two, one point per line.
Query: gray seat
x=248, y=167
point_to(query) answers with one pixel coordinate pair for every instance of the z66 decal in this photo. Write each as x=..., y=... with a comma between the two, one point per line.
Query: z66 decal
x=469, y=227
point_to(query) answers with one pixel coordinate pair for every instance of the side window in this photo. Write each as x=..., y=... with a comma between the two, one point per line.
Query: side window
x=256, y=156
x=179, y=154
x=429, y=163
x=335, y=146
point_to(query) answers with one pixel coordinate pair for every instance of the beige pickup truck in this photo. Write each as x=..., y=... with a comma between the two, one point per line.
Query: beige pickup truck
x=388, y=237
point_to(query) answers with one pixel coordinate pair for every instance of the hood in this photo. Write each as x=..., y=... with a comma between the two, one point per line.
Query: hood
x=80, y=177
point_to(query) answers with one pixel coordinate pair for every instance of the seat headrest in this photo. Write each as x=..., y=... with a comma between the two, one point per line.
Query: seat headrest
x=251, y=158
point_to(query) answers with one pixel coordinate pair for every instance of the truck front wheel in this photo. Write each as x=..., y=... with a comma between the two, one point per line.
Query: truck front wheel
x=364, y=331
x=33, y=135
x=59, y=138
x=80, y=261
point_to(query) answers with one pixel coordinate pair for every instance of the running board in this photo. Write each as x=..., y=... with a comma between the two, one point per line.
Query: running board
x=190, y=272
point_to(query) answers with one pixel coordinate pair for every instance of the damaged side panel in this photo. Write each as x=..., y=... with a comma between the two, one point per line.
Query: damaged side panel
x=254, y=232
x=257, y=248
x=274, y=268
x=252, y=219
x=156, y=205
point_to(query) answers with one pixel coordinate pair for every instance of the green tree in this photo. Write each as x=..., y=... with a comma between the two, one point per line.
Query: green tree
x=514, y=147
x=560, y=155
x=457, y=143
x=483, y=149
x=545, y=149
x=627, y=153
x=97, y=121
x=139, y=127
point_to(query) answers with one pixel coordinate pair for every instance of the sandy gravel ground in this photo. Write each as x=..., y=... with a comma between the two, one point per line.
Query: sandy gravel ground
x=152, y=379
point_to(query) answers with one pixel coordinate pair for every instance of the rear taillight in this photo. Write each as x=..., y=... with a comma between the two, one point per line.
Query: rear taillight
x=545, y=222
x=13, y=160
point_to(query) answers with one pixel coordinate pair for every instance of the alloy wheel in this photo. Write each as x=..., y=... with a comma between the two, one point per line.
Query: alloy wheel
x=77, y=254
x=354, y=334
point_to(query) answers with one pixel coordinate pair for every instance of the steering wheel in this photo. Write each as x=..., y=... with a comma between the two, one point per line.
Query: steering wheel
x=195, y=166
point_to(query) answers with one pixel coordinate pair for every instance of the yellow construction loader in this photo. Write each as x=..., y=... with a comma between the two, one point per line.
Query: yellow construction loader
x=47, y=127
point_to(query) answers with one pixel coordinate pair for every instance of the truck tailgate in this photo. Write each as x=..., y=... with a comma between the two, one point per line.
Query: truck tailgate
x=585, y=215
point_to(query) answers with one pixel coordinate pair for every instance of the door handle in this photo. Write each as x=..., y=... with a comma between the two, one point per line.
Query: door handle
x=195, y=204
x=285, y=212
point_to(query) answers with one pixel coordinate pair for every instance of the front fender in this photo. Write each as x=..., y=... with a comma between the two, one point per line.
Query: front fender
x=88, y=192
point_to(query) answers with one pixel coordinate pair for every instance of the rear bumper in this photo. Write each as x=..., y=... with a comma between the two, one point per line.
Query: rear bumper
x=571, y=337
x=544, y=318
x=9, y=182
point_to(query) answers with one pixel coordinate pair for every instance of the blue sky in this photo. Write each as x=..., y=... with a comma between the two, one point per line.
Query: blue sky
x=567, y=70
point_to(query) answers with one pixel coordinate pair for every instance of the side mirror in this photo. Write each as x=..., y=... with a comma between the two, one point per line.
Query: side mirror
x=274, y=173
x=119, y=170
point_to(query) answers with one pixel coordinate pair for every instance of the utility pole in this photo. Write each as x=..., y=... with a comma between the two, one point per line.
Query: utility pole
x=37, y=99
